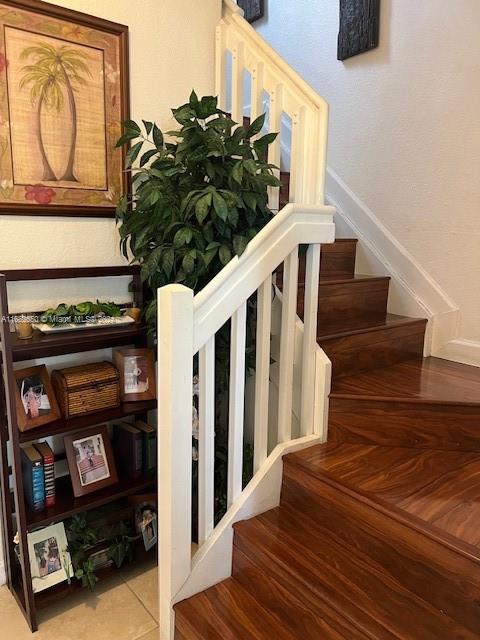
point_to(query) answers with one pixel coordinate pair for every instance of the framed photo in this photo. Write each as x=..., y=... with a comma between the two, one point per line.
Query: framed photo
x=63, y=97
x=137, y=374
x=90, y=460
x=144, y=505
x=35, y=399
x=50, y=561
x=149, y=530
x=253, y=9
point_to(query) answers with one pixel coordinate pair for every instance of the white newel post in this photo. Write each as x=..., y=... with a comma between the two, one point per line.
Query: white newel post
x=175, y=372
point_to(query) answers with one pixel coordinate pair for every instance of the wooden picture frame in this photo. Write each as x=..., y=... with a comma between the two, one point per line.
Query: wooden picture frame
x=137, y=374
x=253, y=10
x=33, y=393
x=58, y=137
x=90, y=460
x=50, y=561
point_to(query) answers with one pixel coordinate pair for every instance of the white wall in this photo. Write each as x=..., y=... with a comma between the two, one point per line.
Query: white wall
x=405, y=129
x=171, y=51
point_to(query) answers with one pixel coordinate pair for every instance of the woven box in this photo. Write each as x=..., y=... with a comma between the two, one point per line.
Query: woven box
x=87, y=388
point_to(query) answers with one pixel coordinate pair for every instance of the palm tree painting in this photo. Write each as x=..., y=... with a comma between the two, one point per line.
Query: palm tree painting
x=54, y=72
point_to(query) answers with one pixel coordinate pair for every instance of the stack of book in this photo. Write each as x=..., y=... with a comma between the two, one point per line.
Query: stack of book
x=38, y=471
x=135, y=448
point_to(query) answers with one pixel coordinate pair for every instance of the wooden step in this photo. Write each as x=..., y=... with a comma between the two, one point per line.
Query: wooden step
x=337, y=261
x=425, y=403
x=439, y=570
x=397, y=340
x=225, y=612
x=323, y=569
x=349, y=304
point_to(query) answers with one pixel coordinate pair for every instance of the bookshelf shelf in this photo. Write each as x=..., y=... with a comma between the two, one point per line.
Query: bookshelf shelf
x=89, y=420
x=66, y=505
x=15, y=512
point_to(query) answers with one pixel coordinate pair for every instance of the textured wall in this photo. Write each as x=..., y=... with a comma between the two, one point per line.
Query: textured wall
x=405, y=130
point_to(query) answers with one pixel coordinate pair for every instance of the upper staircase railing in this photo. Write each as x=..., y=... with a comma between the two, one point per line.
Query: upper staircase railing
x=187, y=326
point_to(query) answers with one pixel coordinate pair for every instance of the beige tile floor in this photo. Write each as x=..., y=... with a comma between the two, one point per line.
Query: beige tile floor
x=121, y=608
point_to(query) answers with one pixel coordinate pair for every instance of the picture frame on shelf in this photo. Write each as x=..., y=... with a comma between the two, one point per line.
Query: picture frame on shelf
x=144, y=506
x=35, y=399
x=149, y=531
x=90, y=460
x=50, y=561
x=68, y=71
x=137, y=374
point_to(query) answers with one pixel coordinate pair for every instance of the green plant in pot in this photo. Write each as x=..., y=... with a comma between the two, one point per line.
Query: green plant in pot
x=200, y=194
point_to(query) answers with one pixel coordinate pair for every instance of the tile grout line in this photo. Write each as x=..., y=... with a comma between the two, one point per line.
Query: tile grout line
x=143, y=605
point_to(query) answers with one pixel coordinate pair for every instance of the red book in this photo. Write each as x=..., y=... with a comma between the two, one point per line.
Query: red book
x=49, y=472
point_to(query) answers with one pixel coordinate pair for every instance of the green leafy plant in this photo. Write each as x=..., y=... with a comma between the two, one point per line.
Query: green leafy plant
x=81, y=312
x=84, y=538
x=199, y=194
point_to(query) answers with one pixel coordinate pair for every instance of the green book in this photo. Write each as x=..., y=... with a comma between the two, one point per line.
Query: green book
x=149, y=447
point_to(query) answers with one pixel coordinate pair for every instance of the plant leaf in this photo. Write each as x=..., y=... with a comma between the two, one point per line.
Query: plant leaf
x=256, y=126
x=224, y=254
x=220, y=206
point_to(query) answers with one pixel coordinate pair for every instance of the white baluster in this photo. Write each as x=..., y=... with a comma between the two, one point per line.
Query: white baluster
x=236, y=403
x=238, y=66
x=220, y=67
x=274, y=153
x=256, y=108
x=262, y=373
x=300, y=155
x=175, y=372
x=310, y=313
x=206, y=440
x=287, y=346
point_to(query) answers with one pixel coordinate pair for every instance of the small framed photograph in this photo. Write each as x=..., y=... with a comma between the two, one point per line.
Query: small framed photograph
x=50, y=561
x=144, y=505
x=35, y=399
x=149, y=530
x=90, y=460
x=137, y=374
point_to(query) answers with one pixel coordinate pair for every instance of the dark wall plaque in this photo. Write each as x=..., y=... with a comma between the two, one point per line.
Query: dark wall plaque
x=359, y=27
x=253, y=9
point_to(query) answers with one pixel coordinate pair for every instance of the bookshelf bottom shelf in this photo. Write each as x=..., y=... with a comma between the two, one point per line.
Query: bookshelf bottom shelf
x=44, y=599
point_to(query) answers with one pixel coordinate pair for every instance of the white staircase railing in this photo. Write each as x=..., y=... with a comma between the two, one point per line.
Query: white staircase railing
x=250, y=75
x=187, y=326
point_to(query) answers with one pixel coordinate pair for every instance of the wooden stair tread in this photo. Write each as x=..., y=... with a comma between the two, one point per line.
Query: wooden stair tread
x=392, y=321
x=310, y=562
x=228, y=611
x=427, y=380
x=439, y=488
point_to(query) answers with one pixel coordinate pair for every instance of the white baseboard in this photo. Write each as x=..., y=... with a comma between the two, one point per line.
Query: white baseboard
x=465, y=351
x=3, y=577
x=413, y=292
x=213, y=561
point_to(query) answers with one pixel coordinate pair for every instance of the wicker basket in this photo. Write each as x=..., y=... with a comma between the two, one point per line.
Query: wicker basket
x=87, y=388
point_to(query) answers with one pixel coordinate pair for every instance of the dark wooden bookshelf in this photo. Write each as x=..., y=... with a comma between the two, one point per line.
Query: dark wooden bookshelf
x=16, y=515
x=66, y=505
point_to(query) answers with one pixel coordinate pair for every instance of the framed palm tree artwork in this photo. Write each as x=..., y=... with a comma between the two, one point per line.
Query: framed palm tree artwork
x=63, y=97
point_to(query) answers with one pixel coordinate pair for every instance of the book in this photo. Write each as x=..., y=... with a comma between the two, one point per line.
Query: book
x=33, y=478
x=48, y=471
x=149, y=447
x=128, y=446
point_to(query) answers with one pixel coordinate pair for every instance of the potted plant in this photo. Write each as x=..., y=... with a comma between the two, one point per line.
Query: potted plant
x=200, y=194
